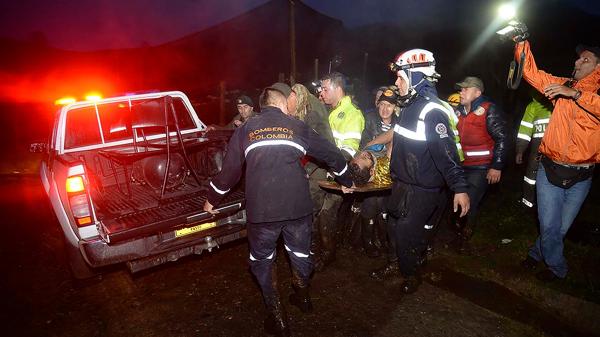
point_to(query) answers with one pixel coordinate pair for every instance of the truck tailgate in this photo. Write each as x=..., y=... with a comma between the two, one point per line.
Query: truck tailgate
x=169, y=214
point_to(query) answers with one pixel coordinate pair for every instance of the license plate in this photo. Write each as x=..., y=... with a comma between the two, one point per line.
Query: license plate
x=194, y=229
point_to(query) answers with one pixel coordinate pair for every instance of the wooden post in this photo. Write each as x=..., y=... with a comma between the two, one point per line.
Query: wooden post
x=364, y=74
x=222, y=90
x=292, y=28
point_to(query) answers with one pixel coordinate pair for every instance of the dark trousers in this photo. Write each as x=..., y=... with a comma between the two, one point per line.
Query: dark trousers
x=262, y=239
x=533, y=162
x=415, y=216
x=477, y=180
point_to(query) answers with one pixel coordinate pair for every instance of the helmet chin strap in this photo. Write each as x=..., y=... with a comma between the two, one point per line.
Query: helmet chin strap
x=405, y=99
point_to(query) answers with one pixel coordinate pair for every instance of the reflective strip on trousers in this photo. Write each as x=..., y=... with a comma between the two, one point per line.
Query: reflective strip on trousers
x=218, y=190
x=529, y=181
x=527, y=202
x=298, y=254
x=270, y=257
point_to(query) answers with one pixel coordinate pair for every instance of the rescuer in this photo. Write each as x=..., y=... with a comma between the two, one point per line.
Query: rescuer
x=271, y=145
x=424, y=160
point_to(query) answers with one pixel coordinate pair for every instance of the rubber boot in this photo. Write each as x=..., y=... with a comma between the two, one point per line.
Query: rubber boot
x=301, y=299
x=276, y=322
x=381, y=236
x=327, y=231
x=411, y=284
x=356, y=242
x=368, y=233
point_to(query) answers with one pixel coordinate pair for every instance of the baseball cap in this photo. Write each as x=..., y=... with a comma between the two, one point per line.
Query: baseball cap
x=244, y=100
x=470, y=82
x=594, y=50
x=389, y=95
x=281, y=87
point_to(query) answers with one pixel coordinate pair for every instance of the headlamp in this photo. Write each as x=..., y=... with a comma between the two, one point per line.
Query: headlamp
x=317, y=87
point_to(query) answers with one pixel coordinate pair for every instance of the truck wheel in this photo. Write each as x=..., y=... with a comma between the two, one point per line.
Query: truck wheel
x=79, y=268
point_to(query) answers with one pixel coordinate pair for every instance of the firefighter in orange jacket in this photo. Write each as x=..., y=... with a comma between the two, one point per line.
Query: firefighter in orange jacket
x=570, y=149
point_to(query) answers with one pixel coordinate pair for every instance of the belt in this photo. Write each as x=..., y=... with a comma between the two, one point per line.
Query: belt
x=574, y=166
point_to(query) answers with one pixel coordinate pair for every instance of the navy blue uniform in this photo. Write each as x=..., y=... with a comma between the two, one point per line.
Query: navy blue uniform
x=271, y=144
x=424, y=160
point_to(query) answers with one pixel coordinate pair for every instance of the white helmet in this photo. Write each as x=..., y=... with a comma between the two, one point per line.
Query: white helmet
x=415, y=60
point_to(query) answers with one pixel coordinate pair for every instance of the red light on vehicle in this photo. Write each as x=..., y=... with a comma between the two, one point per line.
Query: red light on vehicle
x=64, y=101
x=93, y=96
x=75, y=184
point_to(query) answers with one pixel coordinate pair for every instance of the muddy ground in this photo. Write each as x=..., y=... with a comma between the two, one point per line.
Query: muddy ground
x=214, y=294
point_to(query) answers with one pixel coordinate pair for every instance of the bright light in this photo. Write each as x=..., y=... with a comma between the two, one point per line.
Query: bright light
x=75, y=184
x=64, y=101
x=93, y=96
x=507, y=11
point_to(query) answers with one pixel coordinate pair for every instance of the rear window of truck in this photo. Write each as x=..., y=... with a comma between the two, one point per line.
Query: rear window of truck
x=117, y=121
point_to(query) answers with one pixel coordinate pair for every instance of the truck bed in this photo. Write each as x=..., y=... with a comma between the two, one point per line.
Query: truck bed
x=125, y=219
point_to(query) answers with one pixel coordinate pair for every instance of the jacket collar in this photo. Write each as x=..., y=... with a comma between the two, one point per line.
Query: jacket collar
x=270, y=109
x=474, y=105
x=591, y=82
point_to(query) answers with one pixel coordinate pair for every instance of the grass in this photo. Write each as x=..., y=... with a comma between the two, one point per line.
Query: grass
x=502, y=217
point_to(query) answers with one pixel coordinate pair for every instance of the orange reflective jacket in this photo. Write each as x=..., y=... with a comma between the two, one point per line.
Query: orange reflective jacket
x=572, y=136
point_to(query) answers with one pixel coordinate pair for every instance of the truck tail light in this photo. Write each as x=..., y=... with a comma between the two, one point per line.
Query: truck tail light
x=78, y=197
x=75, y=184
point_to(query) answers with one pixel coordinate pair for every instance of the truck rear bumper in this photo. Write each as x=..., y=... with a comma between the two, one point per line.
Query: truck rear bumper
x=163, y=247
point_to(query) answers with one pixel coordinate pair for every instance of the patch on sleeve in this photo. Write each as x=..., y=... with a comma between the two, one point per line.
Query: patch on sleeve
x=441, y=130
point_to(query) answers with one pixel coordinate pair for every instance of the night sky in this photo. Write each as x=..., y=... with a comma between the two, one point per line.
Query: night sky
x=86, y=25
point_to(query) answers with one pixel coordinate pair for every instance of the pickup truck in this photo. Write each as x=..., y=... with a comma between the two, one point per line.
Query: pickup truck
x=127, y=178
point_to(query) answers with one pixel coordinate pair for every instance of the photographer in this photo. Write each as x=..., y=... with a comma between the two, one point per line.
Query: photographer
x=569, y=149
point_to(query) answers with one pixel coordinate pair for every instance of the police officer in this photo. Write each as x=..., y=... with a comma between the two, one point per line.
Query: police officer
x=424, y=159
x=531, y=131
x=347, y=123
x=271, y=145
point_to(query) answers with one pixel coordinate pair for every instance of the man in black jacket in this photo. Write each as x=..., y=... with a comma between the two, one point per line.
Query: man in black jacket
x=278, y=202
x=424, y=160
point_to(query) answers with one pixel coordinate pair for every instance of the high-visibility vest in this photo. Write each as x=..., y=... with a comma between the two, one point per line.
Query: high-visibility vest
x=477, y=144
x=347, y=123
x=453, y=122
x=534, y=122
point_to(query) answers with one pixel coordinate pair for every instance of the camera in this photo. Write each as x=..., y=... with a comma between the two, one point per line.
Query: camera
x=515, y=31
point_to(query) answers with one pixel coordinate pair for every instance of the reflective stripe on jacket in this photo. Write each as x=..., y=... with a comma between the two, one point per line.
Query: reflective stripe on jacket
x=572, y=135
x=270, y=147
x=533, y=124
x=477, y=144
x=424, y=152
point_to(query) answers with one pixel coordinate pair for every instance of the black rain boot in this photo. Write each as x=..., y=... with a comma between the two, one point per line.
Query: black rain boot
x=276, y=322
x=327, y=231
x=411, y=284
x=368, y=227
x=356, y=234
x=301, y=299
